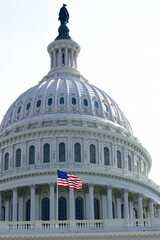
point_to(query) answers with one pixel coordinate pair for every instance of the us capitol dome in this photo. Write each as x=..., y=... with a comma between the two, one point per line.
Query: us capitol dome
x=65, y=123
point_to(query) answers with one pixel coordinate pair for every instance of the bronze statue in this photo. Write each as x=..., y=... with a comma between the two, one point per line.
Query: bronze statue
x=63, y=15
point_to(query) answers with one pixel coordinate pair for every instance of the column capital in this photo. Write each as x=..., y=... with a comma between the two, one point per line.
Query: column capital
x=151, y=201
x=33, y=186
x=158, y=206
x=140, y=195
x=109, y=187
x=14, y=189
x=131, y=198
x=51, y=184
x=118, y=195
x=91, y=185
x=103, y=191
x=125, y=190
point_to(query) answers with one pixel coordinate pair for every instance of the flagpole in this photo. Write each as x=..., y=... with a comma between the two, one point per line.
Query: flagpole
x=57, y=204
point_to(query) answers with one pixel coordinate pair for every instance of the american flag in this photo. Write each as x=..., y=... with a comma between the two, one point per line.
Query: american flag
x=67, y=180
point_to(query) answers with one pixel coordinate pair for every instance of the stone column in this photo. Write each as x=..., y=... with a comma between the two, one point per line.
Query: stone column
x=0, y=205
x=140, y=166
x=151, y=211
x=118, y=201
x=131, y=207
x=1, y=160
x=158, y=210
x=7, y=209
x=32, y=213
x=76, y=55
x=24, y=154
x=59, y=57
x=124, y=165
x=140, y=207
x=66, y=56
x=21, y=209
x=51, y=60
x=101, y=156
x=91, y=202
x=14, y=216
x=109, y=198
x=71, y=204
x=54, y=57
x=104, y=205
x=71, y=57
x=52, y=202
x=69, y=148
x=86, y=150
x=126, y=209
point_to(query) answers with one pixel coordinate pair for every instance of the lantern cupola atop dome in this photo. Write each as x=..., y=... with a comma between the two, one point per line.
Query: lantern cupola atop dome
x=63, y=51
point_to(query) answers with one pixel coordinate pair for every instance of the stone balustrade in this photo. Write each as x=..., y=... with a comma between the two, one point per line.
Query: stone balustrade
x=106, y=225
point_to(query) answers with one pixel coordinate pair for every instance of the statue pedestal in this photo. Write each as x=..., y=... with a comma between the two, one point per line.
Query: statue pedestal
x=63, y=32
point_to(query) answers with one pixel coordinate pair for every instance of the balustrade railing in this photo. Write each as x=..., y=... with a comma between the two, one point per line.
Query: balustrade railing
x=106, y=225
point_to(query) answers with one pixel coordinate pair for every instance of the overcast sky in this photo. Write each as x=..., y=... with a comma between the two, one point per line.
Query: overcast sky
x=120, y=53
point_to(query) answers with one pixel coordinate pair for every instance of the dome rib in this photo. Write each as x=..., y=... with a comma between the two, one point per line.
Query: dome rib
x=66, y=87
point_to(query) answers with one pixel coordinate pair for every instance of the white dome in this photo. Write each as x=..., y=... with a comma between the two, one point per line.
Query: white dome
x=57, y=96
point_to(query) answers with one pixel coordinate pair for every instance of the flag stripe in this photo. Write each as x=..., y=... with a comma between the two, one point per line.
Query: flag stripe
x=68, y=180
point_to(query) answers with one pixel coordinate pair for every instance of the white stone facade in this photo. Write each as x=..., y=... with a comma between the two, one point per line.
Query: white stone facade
x=68, y=124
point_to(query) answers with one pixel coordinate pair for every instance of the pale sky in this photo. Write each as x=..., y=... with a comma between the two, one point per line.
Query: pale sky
x=120, y=53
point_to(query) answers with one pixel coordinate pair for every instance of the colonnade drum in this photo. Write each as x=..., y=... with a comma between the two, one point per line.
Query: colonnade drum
x=38, y=202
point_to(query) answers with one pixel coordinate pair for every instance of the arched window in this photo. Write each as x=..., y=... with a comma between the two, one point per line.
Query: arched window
x=31, y=155
x=61, y=152
x=50, y=101
x=135, y=215
x=45, y=209
x=6, y=161
x=85, y=102
x=28, y=106
x=119, y=161
x=92, y=154
x=122, y=211
x=61, y=101
x=77, y=152
x=79, y=208
x=46, y=153
x=96, y=104
x=38, y=104
x=19, y=110
x=62, y=211
x=28, y=207
x=129, y=163
x=96, y=209
x=18, y=158
x=3, y=214
x=74, y=101
x=106, y=156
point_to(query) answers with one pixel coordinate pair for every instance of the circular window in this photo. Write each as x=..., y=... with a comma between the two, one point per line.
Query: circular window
x=28, y=106
x=61, y=101
x=74, y=101
x=85, y=102
x=19, y=110
x=50, y=101
x=96, y=104
x=38, y=103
